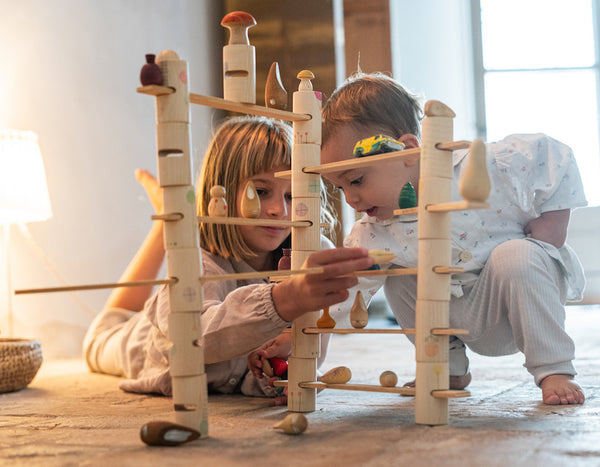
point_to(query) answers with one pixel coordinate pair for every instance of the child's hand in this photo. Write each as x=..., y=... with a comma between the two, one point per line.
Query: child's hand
x=153, y=189
x=279, y=347
x=312, y=292
x=550, y=227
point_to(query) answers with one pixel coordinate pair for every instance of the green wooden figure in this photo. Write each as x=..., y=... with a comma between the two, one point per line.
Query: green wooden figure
x=408, y=197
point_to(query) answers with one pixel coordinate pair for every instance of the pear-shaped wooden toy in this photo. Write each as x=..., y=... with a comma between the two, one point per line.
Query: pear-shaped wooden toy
x=250, y=206
x=474, y=184
x=275, y=93
x=293, y=424
x=217, y=207
x=337, y=375
x=326, y=321
x=359, y=316
x=408, y=196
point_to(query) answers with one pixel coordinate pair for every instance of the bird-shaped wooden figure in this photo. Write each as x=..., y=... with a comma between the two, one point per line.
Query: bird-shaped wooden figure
x=408, y=196
x=293, y=424
x=326, y=321
x=250, y=205
x=359, y=316
x=275, y=93
x=474, y=184
x=217, y=207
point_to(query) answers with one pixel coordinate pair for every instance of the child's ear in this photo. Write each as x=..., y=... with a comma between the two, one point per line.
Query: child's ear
x=410, y=142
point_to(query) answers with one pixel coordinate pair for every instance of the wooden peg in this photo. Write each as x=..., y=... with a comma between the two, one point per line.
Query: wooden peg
x=381, y=256
x=388, y=379
x=408, y=197
x=474, y=184
x=217, y=207
x=239, y=59
x=167, y=434
x=359, y=316
x=337, y=375
x=293, y=424
x=275, y=93
x=250, y=205
x=326, y=321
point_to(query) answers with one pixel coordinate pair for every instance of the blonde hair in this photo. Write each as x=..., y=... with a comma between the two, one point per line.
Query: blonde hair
x=240, y=148
x=372, y=99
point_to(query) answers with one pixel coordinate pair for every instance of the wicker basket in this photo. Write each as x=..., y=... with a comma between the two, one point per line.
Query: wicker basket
x=20, y=360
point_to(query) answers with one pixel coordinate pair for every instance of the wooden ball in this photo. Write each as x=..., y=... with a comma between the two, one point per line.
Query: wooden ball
x=388, y=379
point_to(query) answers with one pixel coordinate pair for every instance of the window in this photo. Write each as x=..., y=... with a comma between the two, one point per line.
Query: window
x=538, y=71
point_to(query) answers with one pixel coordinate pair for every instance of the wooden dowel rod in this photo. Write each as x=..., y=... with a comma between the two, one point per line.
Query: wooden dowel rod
x=250, y=221
x=260, y=274
x=113, y=285
x=450, y=393
x=406, y=211
x=453, y=145
x=385, y=272
x=360, y=387
x=154, y=90
x=218, y=103
x=363, y=161
x=447, y=269
x=357, y=331
x=457, y=206
x=170, y=217
x=449, y=332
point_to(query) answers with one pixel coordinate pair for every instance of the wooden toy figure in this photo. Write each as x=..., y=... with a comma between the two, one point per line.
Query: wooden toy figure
x=218, y=205
x=388, y=379
x=337, y=375
x=326, y=321
x=250, y=205
x=408, y=197
x=293, y=424
x=359, y=316
x=474, y=184
x=275, y=93
x=151, y=72
x=239, y=59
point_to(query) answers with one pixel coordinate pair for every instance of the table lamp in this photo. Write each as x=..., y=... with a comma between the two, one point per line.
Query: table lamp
x=23, y=198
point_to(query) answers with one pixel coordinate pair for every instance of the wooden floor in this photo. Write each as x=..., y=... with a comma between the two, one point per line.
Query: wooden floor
x=71, y=417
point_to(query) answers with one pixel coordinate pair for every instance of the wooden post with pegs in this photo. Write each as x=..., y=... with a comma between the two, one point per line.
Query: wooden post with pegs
x=433, y=289
x=306, y=205
x=186, y=357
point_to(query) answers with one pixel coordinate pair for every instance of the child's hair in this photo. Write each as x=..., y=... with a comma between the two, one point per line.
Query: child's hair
x=241, y=148
x=372, y=100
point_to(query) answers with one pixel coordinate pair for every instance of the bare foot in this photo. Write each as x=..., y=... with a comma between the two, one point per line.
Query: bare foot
x=561, y=390
x=456, y=382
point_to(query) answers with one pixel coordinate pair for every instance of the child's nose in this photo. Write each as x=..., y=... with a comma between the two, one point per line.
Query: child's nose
x=277, y=208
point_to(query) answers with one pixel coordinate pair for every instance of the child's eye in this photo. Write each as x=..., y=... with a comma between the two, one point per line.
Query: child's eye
x=358, y=181
x=262, y=192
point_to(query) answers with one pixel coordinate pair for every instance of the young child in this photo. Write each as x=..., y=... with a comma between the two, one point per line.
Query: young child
x=518, y=270
x=129, y=337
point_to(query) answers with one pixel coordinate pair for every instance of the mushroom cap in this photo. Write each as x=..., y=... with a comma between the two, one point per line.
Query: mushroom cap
x=238, y=17
x=305, y=74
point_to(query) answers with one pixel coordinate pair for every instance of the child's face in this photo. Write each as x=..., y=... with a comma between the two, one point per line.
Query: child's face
x=371, y=189
x=275, y=201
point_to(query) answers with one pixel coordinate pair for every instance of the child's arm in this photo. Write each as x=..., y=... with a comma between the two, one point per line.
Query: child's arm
x=550, y=227
x=149, y=258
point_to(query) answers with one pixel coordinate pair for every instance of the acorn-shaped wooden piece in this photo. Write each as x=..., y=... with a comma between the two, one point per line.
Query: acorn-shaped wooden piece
x=275, y=93
x=408, y=196
x=326, y=321
x=292, y=424
x=359, y=316
x=474, y=184
x=305, y=77
x=151, y=72
x=381, y=256
x=337, y=375
x=250, y=206
x=388, y=379
x=167, y=434
x=217, y=207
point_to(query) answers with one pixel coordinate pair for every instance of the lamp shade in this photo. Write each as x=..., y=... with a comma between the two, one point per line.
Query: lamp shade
x=23, y=190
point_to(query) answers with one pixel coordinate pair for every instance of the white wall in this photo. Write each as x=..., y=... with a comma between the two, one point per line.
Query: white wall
x=69, y=72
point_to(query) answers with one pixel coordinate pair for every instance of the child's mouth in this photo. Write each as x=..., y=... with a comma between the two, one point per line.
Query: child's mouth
x=372, y=212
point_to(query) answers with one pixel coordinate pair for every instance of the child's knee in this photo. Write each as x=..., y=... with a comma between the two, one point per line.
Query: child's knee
x=514, y=260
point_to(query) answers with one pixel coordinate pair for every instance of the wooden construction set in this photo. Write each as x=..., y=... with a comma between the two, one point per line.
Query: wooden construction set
x=185, y=276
